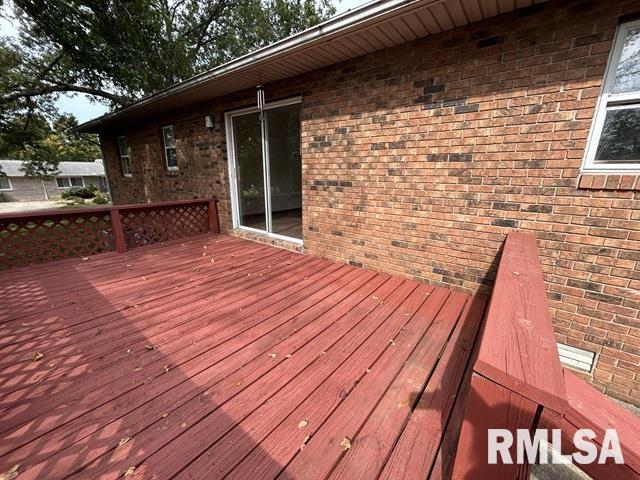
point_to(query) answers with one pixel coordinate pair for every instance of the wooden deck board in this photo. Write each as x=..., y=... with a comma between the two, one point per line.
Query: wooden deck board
x=212, y=358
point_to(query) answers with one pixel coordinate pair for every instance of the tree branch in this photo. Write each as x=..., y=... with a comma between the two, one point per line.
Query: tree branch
x=62, y=88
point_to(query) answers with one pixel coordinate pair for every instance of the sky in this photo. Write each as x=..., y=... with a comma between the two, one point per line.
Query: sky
x=84, y=109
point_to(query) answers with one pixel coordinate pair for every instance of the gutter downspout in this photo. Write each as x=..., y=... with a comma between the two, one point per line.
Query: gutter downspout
x=44, y=188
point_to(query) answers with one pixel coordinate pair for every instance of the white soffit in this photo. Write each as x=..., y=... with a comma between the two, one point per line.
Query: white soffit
x=374, y=26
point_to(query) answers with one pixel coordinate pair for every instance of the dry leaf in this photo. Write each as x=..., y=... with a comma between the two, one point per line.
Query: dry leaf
x=304, y=442
x=123, y=441
x=167, y=368
x=288, y=355
x=273, y=355
x=129, y=471
x=85, y=258
x=149, y=347
x=165, y=415
x=345, y=443
x=11, y=474
x=184, y=425
x=37, y=356
x=303, y=423
x=392, y=341
x=137, y=369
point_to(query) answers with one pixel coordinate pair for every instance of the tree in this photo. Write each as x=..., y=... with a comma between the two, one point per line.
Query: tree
x=118, y=51
x=43, y=146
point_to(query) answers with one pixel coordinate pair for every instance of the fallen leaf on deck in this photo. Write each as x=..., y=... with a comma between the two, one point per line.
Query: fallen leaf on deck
x=123, y=441
x=196, y=269
x=273, y=355
x=137, y=369
x=304, y=442
x=165, y=415
x=85, y=258
x=129, y=350
x=392, y=342
x=345, y=443
x=149, y=347
x=129, y=471
x=37, y=356
x=25, y=324
x=184, y=425
x=11, y=474
x=288, y=355
x=303, y=423
x=51, y=364
x=167, y=368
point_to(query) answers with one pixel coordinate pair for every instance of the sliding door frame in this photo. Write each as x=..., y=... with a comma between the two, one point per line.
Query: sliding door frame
x=233, y=168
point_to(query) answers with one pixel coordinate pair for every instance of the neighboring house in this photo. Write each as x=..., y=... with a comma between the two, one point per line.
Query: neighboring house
x=17, y=187
x=411, y=136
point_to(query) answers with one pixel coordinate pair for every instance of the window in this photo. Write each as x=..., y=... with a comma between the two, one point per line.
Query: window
x=66, y=182
x=123, y=150
x=5, y=183
x=170, y=147
x=614, y=142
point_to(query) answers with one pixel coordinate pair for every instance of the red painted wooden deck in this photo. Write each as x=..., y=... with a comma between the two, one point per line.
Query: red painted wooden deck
x=218, y=357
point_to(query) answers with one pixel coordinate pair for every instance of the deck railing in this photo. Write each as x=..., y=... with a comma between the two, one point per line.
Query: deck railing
x=518, y=382
x=41, y=236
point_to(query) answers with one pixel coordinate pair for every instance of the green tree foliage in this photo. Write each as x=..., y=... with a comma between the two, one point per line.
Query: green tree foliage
x=42, y=145
x=118, y=51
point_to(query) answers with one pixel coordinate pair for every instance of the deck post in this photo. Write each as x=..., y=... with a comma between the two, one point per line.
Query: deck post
x=118, y=232
x=213, y=216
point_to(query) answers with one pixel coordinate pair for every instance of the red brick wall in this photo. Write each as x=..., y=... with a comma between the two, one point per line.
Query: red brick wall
x=418, y=160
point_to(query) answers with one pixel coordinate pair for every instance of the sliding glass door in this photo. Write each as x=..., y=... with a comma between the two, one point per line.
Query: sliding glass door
x=268, y=170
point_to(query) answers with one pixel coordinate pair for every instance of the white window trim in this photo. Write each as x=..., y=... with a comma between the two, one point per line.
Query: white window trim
x=175, y=147
x=122, y=157
x=70, y=186
x=617, y=101
x=232, y=167
x=10, y=186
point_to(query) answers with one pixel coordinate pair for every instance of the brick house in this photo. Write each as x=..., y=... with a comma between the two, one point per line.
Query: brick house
x=15, y=186
x=410, y=137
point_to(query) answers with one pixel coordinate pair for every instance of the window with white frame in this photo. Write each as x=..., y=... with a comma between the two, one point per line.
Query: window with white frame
x=614, y=142
x=170, y=147
x=5, y=183
x=66, y=182
x=123, y=151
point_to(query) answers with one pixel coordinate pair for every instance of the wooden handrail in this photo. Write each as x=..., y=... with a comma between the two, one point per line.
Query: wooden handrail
x=61, y=212
x=517, y=381
x=518, y=348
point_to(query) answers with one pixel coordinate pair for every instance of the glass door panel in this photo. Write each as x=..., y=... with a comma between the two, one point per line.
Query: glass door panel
x=285, y=170
x=247, y=135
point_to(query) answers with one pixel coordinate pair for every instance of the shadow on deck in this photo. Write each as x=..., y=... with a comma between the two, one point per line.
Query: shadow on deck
x=218, y=357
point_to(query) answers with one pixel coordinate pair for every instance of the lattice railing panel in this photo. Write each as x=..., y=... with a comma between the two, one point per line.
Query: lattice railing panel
x=42, y=238
x=36, y=237
x=155, y=224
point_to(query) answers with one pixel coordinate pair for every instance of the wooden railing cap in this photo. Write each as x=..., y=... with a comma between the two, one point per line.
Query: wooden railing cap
x=518, y=348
